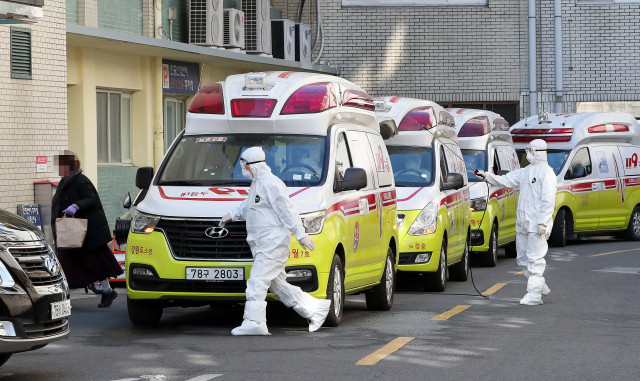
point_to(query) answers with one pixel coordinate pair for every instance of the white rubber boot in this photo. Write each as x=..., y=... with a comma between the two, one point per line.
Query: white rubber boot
x=545, y=290
x=531, y=299
x=535, y=288
x=318, y=318
x=255, y=320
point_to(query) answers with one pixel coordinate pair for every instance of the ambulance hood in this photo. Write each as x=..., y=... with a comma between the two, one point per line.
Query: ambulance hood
x=415, y=198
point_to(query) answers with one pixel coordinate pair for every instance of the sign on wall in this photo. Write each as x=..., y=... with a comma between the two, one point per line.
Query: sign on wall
x=30, y=213
x=41, y=164
x=180, y=77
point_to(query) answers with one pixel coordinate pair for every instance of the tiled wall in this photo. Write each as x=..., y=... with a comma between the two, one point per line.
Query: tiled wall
x=121, y=15
x=113, y=183
x=181, y=23
x=72, y=11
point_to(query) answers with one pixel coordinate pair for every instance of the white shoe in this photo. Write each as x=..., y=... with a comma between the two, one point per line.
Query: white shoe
x=316, y=321
x=531, y=299
x=251, y=328
x=545, y=290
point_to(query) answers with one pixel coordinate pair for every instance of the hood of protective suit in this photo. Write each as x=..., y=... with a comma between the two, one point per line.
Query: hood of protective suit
x=540, y=148
x=256, y=156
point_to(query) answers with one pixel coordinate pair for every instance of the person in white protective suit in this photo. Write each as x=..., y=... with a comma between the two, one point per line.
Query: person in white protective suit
x=270, y=217
x=534, y=217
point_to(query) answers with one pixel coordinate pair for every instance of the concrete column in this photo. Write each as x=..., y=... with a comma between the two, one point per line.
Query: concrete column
x=157, y=18
x=88, y=13
x=158, y=117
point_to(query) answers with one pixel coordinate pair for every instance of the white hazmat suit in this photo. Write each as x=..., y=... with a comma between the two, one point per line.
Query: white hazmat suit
x=270, y=217
x=534, y=216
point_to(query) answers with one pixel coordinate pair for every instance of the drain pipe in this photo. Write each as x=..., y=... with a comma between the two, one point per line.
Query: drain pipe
x=533, y=102
x=558, y=48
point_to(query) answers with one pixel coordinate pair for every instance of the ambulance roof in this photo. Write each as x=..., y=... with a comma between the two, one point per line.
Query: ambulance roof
x=283, y=102
x=475, y=128
x=565, y=131
x=412, y=116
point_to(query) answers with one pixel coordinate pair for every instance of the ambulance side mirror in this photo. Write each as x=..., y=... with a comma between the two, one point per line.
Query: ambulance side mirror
x=502, y=173
x=578, y=172
x=388, y=129
x=144, y=177
x=126, y=201
x=354, y=179
x=453, y=181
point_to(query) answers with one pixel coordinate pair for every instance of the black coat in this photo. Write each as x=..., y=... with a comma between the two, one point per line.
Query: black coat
x=78, y=189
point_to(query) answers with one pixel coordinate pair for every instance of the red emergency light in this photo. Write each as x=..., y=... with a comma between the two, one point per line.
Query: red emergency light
x=208, y=100
x=609, y=128
x=477, y=126
x=252, y=108
x=312, y=98
x=524, y=135
x=418, y=119
x=358, y=99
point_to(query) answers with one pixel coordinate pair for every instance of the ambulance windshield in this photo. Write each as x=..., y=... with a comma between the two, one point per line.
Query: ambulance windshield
x=555, y=158
x=205, y=160
x=477, y=159
x=412, y=166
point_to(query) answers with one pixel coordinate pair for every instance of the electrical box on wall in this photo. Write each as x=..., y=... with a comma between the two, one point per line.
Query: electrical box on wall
x=283, y=39
x=303, y=43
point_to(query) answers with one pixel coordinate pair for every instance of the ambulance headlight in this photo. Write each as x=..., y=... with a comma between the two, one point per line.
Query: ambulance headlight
x=313, y=222
x=143, y=223
x=255, y=81
x=478, y=204
x=426, y=222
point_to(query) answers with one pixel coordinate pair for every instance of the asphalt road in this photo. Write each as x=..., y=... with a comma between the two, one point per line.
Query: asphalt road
x=588, y=329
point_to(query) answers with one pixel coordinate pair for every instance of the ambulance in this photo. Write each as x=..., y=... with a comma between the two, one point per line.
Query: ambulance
x=321, y=137
x=595, y=158
x=486, y=145
x=432, y=191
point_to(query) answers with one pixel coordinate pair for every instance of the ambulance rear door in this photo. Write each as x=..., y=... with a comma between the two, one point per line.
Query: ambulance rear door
x=608, y=166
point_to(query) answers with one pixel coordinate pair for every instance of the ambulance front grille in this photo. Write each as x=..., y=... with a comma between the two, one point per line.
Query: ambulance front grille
x=188, y=240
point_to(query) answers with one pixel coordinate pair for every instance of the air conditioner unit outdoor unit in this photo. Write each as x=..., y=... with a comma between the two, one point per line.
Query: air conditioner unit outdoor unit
x=257, y=26
x=303, y=43
x=205, y=22
x=283, y=39
x=233, y=28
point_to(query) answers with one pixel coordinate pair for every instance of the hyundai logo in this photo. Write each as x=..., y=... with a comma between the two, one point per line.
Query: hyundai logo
x=51, y=266
x=216, y=232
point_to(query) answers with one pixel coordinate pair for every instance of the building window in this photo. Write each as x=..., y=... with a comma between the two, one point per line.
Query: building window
x=20, y=53
x=174, y=118
x=114, y=128
x=410, y=3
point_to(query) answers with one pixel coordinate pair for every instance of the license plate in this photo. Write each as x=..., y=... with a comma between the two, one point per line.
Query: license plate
x=215, y=273
x=60, y=309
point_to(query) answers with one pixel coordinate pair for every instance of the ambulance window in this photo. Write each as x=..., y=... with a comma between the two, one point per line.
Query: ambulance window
x=412, y=166
x=496, y=162
x=581, y=159
x=443, y=165
x=477, y=159
x=343, y=159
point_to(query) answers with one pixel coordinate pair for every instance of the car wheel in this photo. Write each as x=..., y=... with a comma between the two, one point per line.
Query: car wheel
x=510, y=251
x=558, y=237
x=4, y=357
x=437, y=282
x=460, y=271
x=335, y=291
x=633, y=229
x=380, y=298
x=143, y=312
x=490, y=258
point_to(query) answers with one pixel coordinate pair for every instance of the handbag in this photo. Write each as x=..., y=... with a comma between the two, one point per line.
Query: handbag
x=70, y=232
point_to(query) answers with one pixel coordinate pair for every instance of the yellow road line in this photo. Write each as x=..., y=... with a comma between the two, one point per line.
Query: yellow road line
x=492, y=290
x=518, y=273
x=451, y=312
x=613, y=252
x=385, y=351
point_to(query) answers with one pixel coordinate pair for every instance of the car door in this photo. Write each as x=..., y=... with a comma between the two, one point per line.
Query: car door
x=455, y=202
x=585, y=191
x=612, y=213
x=507, y=213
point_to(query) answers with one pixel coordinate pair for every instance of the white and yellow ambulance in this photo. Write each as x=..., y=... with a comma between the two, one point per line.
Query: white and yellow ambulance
x=596, y=159
x=432, y=190
x=321, y=137
x=486, y=145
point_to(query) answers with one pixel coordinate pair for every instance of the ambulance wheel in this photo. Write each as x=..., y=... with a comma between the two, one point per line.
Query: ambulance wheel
x=460, y=271
x=558, y=237
x=490, y=258
x=380, y=298
x=437, y=282
x=335, y=291
x=4, y=358
x=143, y=312
x=633, y=230
x=510, y=250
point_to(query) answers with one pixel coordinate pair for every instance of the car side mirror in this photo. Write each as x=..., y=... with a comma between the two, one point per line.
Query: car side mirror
x=388, y=129
x=126, y=201
x=502, y=172
x=578, y=172
x=144, y=177
x=453, y=181
x=354, y=179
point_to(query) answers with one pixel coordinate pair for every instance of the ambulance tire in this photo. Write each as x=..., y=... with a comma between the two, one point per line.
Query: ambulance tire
x=4, y=357
x=633, y=230
x=380, y=297
x=510, y=250
x=437, y=282
x=490, y=257
x=336, y=281
x=144, y=313
x=460, y=271
x=558, y=237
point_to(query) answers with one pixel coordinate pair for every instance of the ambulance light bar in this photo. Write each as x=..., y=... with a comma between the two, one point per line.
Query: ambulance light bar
x=475, y=127
x=254, y=81
x=418, y=119
x=550, y=135
x=208, y=100
x=609, y=128
x=252, y=108
x=312, y=98
x=358, y=99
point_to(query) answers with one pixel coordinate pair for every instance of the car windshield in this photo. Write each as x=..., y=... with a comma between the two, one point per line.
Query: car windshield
x=477, y=159
x=204, y=160
x=555, y=158
x=412, y=166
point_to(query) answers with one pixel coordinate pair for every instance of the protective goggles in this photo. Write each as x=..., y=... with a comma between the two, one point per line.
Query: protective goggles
x=533, y=151
x=243, y=162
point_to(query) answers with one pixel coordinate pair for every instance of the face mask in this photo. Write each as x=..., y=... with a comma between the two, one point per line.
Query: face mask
x=246, y=173
x=530, y=157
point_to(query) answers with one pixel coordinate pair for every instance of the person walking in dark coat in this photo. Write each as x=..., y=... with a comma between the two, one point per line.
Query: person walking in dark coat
x=76, y=196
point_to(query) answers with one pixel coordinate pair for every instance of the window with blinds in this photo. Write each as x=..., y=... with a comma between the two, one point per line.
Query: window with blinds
x=20, y=53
